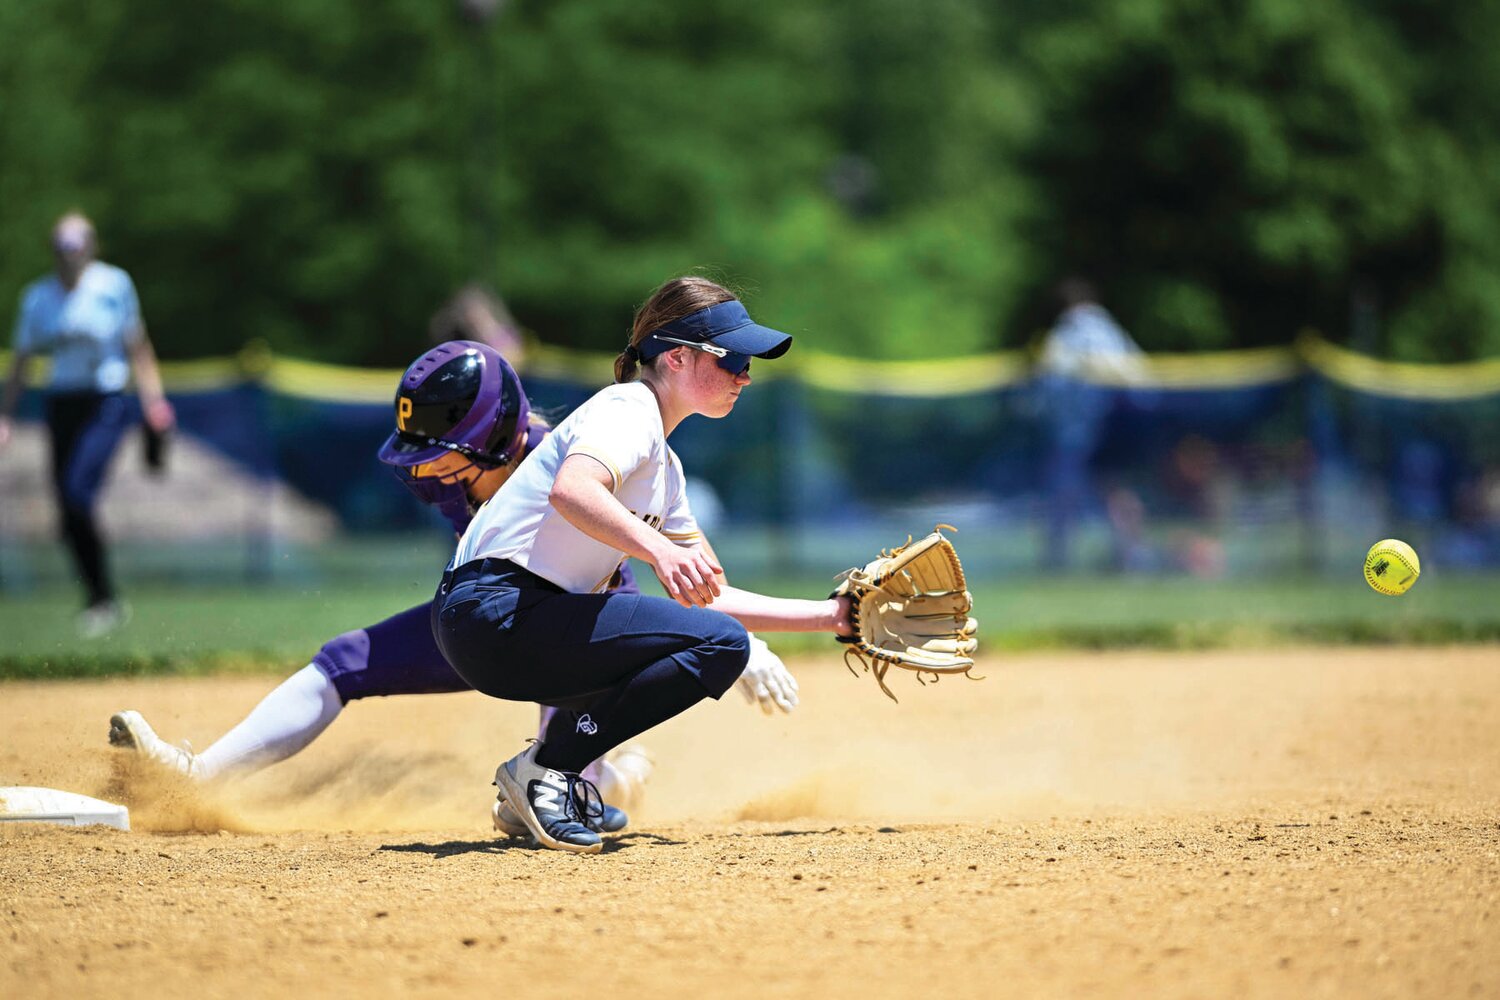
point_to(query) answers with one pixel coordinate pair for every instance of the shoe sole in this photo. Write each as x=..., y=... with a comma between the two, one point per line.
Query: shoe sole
x=519, y=829
x=125, y=731
x=120, y=734
x=511, y=789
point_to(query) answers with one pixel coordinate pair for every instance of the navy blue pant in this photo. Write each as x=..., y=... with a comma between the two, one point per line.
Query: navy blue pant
x=85, y=429
x=615, y=663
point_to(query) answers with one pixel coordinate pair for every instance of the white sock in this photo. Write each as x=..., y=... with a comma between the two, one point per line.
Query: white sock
x=285, y=721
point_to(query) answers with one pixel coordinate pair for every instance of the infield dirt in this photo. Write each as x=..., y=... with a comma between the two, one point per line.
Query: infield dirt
x=1304, y=823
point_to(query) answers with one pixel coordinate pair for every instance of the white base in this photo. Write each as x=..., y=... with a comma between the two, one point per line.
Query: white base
x=24, y=804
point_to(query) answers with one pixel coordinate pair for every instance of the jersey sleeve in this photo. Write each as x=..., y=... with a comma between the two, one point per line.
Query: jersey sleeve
x=25, y=339
x=679, y=525
x=615, y=433
x=130, y=311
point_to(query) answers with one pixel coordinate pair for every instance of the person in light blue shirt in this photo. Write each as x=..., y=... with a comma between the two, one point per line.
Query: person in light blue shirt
x=1085, y=361
x=87, y=318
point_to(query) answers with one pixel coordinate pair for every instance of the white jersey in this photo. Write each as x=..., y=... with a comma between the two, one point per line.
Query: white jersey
x=619, y=427
x=88, y=329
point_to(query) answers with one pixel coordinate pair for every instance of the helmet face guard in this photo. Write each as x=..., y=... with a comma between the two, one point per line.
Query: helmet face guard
x=459, y=397
x=433, y=490
x=451, y=499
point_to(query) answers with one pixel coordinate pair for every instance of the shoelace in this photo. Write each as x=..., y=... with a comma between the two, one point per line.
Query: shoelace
x=584, y=803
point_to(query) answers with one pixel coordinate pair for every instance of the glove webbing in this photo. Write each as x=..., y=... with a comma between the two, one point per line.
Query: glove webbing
x=879, y=660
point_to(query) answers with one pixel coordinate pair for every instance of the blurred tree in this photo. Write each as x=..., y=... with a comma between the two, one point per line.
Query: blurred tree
x=47, y=59
x=886, y=178
x=1233, y=172
x=264, y=172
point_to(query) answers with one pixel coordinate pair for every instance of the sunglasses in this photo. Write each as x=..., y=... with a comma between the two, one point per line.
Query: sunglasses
x=734, y=364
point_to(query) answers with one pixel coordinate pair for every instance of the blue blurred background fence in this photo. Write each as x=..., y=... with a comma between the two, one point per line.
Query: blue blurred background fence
x=1249, y=463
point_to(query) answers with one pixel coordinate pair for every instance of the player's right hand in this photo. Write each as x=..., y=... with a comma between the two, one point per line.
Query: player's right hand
x=4, y=431
x=688, y=574
x=160, y=416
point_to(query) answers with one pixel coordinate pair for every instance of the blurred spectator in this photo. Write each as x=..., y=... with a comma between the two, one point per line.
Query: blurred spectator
x=476, y=313
x=1200, y=485
x=1201, y=555
x=87, y=317
x=1197, y=480
x=1473, y=538
x=1086, y=356
x=1132, y=553
x=1087, y=342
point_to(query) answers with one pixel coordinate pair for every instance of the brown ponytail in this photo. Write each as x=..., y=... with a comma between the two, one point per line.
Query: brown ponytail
x=675, y=299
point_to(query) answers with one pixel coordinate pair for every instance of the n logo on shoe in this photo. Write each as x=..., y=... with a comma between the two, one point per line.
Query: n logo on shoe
x=586, y=725
x=547, y=795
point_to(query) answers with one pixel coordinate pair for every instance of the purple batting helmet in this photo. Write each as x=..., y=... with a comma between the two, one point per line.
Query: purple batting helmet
x=460, y=397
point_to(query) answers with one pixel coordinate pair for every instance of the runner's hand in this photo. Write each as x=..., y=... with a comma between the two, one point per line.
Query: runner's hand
x=766, y=679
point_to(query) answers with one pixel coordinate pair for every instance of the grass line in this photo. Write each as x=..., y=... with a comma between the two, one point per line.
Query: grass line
x=201, y=630
x=1155, y=636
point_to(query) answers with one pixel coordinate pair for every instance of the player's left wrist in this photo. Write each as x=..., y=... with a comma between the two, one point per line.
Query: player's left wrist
x=839, y=622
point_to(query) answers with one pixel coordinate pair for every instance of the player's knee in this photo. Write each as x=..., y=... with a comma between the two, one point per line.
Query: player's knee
x=730, y=636
x=79, y=484
x=343, y=658
x=723, y=653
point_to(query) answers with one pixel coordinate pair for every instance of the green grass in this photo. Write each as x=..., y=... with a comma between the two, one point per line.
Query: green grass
x=198, y=630
x=211, y=628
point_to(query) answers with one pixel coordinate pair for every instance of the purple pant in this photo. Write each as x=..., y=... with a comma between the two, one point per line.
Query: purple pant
x=397, y=656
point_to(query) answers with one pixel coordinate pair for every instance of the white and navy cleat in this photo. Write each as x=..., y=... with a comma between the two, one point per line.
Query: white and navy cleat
x=561, y=810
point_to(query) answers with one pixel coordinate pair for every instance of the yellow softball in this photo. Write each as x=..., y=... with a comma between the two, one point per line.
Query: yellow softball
x=1391, y=567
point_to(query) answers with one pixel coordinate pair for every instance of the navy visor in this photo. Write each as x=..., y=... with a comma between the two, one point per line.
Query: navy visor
x=727, y=327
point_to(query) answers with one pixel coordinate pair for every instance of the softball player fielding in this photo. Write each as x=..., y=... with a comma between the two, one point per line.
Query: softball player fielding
x=523, y=612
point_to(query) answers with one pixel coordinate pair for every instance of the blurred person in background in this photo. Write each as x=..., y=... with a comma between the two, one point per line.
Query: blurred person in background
x=1474, y=539
x=1087, y=342
x=478, y=314
x=86, y=316
x=1085, y=358
x=1132, y=551
x=1198, y=482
